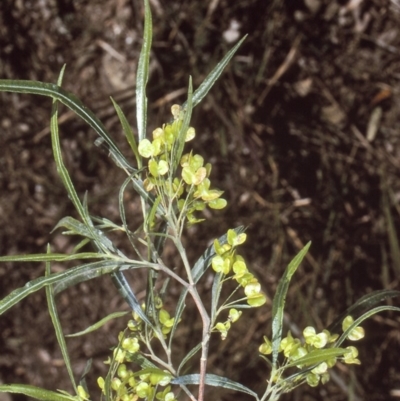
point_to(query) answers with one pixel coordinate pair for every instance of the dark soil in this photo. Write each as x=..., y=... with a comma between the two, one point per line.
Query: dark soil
x=303, y=133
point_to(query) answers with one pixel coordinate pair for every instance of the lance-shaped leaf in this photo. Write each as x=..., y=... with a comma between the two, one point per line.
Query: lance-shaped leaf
x=142, y=361
x=363, y=317
x=215, y=381
x=278, y=305
x=36, y=392
x=128, y=132
x=180, y=142
x=215, y=295
x=51, y=304
x=53, y=257
x=142, y=74
x=208, y=83
x=188, y=356
x=72, y=102
x=364, y=303
x=97, y=236
x=61, y=169
x=97, y=269
x=317, y=356
x=98, y=324
x=126, y=292
x=81, y=273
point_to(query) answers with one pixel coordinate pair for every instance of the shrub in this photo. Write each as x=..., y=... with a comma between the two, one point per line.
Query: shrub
x=174, y=186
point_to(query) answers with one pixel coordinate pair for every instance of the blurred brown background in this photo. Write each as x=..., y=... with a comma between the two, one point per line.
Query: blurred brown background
x=303, y=131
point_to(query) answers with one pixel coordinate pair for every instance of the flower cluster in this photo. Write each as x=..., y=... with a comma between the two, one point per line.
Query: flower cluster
x=227, y=261
x=192, y=189
x=293, y=349
x=128, y=385
x=164, y=321
x=224, y=327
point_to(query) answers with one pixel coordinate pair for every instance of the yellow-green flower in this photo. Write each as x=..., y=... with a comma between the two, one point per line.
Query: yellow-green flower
x=221, y=264
x=351, y=356
x=289, y=345
x=357, y=333
x=234, y=315
x=266, y=347
x=316, y=340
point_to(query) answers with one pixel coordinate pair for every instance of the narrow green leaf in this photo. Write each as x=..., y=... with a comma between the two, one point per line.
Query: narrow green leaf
x=96, y=269
x=53, y=257
x=180, y=142
x=128, y=132
x=123, y=214
x=364, y=303
x=57, y=326
x=150, y=217
x=160, y=239
x=105, y=224
x=363, y=317
x=142, y=74
x=215, y=381
x=126, y=292
x=98, y=324
x=317, y=356
x=278, y=305
x=101, y=241
x=82, y=380
x=80, y=245
x=87, y=271
x=35, y=392
x=142, y=361
x=75, y=227
x=73, y=103
x=215, y=295
x=188, y=356
x=61, y=169
x=237, y=306
x=155, y=370
x=61, y=75
x=207, y=84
